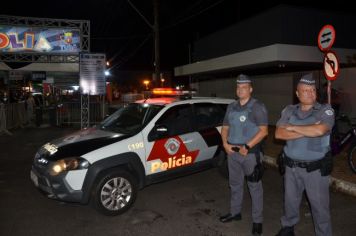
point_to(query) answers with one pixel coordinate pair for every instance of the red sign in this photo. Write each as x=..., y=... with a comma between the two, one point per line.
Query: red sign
x=326, y=38
x=331, y=65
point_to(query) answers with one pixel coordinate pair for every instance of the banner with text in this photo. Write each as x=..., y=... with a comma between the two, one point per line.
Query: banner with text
x=44, y=40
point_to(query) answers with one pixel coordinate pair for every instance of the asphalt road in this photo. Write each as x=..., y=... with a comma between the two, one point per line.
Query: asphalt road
x=189, y=205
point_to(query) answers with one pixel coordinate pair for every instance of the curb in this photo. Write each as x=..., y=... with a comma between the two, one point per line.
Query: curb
x=336, y=184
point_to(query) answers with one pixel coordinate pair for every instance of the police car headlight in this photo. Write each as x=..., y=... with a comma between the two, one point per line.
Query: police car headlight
x=73, y=163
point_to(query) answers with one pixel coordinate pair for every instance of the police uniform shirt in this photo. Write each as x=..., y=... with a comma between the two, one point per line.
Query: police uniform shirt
x=243, y=121
x=307, y=148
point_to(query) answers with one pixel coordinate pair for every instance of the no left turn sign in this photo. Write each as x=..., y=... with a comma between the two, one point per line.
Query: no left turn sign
x=326, y=38
x=331, y=65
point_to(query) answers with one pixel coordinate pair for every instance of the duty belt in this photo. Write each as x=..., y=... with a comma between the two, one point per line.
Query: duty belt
x=313, y=165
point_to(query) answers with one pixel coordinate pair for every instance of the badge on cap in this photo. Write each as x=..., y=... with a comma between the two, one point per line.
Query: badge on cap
x=307, y=79
x=241, y=79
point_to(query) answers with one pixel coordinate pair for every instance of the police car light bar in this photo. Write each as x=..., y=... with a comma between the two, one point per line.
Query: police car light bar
x=166, y=91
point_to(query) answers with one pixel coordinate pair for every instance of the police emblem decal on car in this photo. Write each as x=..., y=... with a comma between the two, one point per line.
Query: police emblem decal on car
x=172, y=146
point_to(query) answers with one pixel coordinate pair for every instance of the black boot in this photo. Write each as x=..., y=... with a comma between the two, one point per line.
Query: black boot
x=286, y=231
x=256, y=229
x=229, y=217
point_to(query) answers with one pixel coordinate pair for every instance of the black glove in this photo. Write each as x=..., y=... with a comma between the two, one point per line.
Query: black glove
x=281, y=162
x=326, y=165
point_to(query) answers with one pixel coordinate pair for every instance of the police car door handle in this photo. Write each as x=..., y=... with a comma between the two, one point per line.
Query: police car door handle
x=162, y=129
x=188, y=141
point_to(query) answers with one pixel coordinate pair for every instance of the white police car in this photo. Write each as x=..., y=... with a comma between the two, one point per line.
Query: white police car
x=144, y=142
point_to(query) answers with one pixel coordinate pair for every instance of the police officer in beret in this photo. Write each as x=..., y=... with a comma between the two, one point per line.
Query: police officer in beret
x=306, y=158
x=244, y=127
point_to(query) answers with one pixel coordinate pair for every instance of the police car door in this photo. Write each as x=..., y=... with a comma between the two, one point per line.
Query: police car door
x=207, y=118
x=175, y=146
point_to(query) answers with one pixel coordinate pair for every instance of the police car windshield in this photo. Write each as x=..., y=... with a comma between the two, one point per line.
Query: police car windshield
x=130, y=119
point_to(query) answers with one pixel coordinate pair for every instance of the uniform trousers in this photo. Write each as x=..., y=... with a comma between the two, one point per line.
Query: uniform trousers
x=239, y=167
x=296, y=180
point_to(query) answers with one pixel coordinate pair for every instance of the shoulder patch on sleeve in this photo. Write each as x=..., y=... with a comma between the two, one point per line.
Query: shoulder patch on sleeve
x=329, y=112
x=288, y=109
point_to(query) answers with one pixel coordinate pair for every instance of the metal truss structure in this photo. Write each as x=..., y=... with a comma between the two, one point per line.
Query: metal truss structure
x=84, y=111
x=82, y=25
x=84, y=28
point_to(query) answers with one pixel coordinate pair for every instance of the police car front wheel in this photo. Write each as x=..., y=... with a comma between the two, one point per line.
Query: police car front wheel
x=115, y=193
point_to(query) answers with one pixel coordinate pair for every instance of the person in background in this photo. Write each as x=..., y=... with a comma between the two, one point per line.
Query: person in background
x=30, y=105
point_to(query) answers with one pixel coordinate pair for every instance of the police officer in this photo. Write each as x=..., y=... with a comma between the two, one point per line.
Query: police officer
x=306, y=160
x=244, y=126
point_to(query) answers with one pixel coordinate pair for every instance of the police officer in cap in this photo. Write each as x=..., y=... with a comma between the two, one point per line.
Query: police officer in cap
x=244, y=127
x=306, y=159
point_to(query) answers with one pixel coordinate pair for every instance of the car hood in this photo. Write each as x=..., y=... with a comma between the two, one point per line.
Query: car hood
x=80, y=143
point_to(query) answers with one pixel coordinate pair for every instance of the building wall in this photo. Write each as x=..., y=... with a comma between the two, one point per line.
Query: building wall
x=275, y=91
x=278, y=90
x=224, y=88
x=346, y=85
x=282, y=24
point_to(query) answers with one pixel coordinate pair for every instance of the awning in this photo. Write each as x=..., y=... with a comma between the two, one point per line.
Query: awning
x=58, y=67
x=273, y=55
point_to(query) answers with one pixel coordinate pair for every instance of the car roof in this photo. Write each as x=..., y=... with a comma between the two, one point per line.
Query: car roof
x=170, y=100
x=158, y=101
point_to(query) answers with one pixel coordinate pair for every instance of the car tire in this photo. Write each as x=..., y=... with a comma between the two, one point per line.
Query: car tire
x=115, y=192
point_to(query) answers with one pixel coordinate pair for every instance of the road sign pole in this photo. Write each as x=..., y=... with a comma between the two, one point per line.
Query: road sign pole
x=329, y=92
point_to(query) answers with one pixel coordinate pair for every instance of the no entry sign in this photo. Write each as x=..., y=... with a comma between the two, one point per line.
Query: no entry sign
x=331, y=65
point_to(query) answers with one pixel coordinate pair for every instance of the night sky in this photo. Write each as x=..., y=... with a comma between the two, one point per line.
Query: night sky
x=118, y=30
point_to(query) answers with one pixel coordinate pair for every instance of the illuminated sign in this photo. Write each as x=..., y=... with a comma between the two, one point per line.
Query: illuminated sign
x=31, y=39
x=91, y=72
x=38, y=75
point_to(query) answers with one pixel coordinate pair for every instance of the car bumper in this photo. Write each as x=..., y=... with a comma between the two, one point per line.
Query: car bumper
x=55, y=187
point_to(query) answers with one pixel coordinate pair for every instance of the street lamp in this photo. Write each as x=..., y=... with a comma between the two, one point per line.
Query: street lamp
x=162, y=82
x=146, y=83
